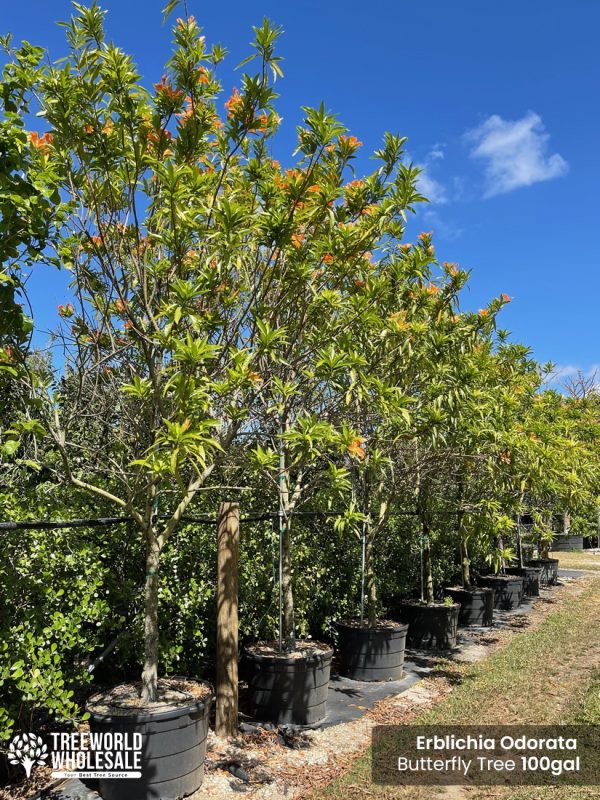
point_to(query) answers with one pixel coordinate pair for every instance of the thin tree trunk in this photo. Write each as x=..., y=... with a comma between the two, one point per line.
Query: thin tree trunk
x=427, y=564
x=371, y=585
x=466, y=565
x=150, y=671
x=288, y=633
x=465, y=560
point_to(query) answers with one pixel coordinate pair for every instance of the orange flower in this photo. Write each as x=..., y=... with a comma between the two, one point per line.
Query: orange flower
x=88, y=129
x=314, y=188
x=66, y=311
x=356, y=448
x=451, y=269
x=166, y=89
x=506, y=298
x=40, y=142
x=425, y=236
x=203, y=75
x=297, y=239
x=483, y=312
x=359, y=283
x=234, y=102
x=406, y=247
x=128, y=325
x=255, y=377
x=97, y=241
x=350, y=141
x=108, y=127
x=328, y=258
x=120, y=306
x=368, y=210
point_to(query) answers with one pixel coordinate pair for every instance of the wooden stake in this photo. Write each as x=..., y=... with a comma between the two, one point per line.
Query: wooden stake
x=228, y=549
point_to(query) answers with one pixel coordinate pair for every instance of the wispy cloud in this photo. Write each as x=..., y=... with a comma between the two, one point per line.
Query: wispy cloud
x=446, y=228
x=515, y=153
x=427, y=185
x=565, y=372
x=432, y=189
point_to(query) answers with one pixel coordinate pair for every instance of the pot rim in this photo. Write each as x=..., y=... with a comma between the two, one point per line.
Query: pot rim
x=395, y=627
x=143, y=717
x=423, y=604
x=283, y=658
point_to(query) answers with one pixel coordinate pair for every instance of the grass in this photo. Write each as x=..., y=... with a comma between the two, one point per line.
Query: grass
x=544, y=676
x=578, y=559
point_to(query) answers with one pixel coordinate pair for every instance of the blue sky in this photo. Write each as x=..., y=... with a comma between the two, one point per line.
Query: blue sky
x=499, y=101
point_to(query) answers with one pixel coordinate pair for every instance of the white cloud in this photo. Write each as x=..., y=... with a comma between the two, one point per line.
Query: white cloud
x=440, y=226
x=515, y=153
x=427, y=185
x=430, y=188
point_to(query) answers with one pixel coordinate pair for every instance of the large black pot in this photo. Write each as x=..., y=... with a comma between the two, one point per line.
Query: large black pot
x=372, y=654
x=288, y=690
x=549, y=567
x=173, y=751
x=531, y=579
x=476, y=605
x=563, y=541
x=508, y=590
x=430, y=626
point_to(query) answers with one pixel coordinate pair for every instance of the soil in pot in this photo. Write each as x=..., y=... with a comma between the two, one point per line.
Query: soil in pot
x=173, y=737
x=549, y=573
x=508, y=590
x=476, y=604
x=531, y=579
x=288, y=688
x=430, y=626
x=371, y=654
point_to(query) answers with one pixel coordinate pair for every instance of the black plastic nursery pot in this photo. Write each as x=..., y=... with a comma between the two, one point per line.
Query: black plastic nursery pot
x=508, y=590
x=371, y=654
x=564, y=541
x=433, y=626
x=549, y=567
x=288, y=688
x=173, y=748
x=531, y=579
x=476, y=604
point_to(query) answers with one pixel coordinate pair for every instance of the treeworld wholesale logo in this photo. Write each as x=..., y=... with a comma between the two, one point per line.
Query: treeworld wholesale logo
x=27, y=749
x=81, y=755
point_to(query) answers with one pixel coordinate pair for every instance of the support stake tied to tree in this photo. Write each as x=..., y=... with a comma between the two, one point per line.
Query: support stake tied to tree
x=228, y=548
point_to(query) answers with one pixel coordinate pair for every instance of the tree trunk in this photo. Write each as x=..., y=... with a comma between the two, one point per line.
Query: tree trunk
x=466, y=565
x=427, y=564
x=150, y=671
x=371, y=585
x=465, y=561
x=288, y=633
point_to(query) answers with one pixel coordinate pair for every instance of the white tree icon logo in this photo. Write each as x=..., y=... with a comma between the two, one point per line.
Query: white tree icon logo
x=27, y=749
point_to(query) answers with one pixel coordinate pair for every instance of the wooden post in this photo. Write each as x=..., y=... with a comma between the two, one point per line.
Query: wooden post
x=228, y=548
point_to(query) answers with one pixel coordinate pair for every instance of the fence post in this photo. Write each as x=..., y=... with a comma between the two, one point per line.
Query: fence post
x=228, y=548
